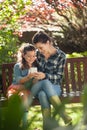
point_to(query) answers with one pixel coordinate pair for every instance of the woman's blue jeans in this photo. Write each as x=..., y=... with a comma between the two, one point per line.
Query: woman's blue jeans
x=44, y=89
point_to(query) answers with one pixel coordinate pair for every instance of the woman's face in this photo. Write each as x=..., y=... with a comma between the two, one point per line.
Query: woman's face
x=43, y=48
x=30, y=56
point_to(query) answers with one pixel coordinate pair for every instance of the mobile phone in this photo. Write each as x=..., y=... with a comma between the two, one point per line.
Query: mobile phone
x=33, y=69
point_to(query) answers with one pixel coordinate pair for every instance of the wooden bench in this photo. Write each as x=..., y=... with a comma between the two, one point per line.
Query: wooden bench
x=75, y=76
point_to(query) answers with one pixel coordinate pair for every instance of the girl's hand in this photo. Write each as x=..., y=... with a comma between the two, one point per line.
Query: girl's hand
x=31, y=75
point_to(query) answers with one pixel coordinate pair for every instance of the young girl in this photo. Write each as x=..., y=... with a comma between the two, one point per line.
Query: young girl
x=24, y=72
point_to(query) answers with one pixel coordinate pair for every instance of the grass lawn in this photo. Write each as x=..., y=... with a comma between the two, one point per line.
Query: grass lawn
x=35, y=116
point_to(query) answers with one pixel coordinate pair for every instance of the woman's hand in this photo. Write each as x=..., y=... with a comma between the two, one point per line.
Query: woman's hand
x=39, y=75
x=31, y=75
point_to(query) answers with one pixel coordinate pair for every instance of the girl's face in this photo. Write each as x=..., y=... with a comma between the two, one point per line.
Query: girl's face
x=30, y=56
x=43, y=48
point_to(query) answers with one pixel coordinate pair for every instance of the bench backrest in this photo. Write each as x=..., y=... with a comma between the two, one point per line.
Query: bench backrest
x=75, y=76
x=7, y=76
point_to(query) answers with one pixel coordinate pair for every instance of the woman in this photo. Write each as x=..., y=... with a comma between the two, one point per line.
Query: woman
x=51, y=62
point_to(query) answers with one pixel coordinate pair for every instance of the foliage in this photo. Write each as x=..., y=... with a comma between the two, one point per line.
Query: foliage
x=8, y=45
x=73, y=30
x=74, y=54
x=11, y=114
x=65, y=19
x=10, y=12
